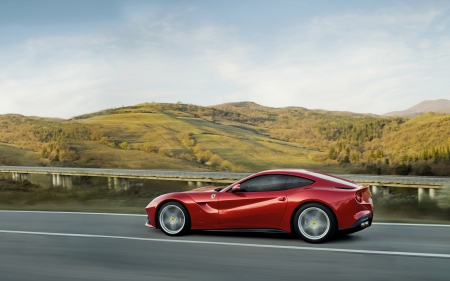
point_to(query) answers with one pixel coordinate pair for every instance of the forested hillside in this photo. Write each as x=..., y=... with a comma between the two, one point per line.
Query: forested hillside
x=235, y=136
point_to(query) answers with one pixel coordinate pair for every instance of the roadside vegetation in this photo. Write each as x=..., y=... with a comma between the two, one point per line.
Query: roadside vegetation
x=231, y=137
x=84, y=196
x=401, y=206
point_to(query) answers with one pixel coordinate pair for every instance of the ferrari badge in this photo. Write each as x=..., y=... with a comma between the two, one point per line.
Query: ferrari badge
x=212, y=196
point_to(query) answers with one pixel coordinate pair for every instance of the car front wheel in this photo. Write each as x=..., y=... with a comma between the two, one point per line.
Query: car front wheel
x=173, y=218
x=314, y=223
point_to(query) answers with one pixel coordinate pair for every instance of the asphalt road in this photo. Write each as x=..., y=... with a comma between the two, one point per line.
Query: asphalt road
x=72, y=246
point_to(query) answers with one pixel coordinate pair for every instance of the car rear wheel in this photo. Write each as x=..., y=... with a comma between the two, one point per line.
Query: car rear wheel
x=314, y=223
x=173, y=218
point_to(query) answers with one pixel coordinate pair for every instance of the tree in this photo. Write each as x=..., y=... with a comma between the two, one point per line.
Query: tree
x=44, y=153
x=345, y=160
x=332, y=154
x=426, y=171
x=403, y=169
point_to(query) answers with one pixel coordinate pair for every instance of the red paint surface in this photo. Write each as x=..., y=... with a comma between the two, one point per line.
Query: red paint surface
x=251, y=209
x=269, y=209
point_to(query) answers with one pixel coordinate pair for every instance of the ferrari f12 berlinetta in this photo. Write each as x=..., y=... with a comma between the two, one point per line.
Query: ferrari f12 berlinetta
x=311, y=204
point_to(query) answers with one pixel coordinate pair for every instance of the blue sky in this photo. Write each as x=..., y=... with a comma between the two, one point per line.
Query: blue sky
x=65, y=58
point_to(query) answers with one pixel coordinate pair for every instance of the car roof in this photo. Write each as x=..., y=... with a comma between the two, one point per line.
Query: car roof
x=296, y=171
x=314, y=175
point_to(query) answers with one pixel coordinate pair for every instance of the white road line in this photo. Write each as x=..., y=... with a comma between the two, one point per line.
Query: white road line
x=138, y=215
x=72, y=213
x=387, y=253
x=410, y=224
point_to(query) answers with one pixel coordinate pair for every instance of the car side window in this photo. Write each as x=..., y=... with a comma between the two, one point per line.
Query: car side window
x=264, y=183
x=293, y=182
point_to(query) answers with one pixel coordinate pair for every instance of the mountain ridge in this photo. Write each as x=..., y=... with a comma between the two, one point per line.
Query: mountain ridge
x=437, y=106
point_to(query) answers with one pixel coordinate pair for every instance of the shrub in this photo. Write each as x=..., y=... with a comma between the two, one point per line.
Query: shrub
x=124, y=145
x=227, y=165
x=345, y=160
x=203, y=156
x=403, y=169
x=87, y=159
x=68, y=155
x=215, y=160
x=187, y=139
x=44, y=153
x=165, y=152
x=373, y=169
x=187, y=156
x=426, y=171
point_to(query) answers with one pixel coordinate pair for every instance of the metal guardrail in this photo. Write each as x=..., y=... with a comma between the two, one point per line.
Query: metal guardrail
x=218, y=177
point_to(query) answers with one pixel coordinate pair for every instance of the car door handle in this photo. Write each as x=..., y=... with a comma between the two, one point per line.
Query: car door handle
x=281, y=198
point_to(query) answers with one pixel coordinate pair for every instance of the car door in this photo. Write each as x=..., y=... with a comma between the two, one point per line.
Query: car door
x=260, y=203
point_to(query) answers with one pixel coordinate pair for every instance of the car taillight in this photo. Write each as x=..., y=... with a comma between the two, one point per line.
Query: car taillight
x=358, y=196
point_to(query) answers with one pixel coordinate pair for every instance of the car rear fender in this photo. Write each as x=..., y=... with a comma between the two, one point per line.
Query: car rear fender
x=299, y=196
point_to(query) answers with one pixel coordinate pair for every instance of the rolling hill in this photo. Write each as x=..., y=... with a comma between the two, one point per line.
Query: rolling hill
x=240, y=136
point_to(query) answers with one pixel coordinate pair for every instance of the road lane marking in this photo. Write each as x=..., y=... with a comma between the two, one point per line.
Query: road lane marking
x=139, y=215
x=386, y=253
x=72, y=213
x=410, y=224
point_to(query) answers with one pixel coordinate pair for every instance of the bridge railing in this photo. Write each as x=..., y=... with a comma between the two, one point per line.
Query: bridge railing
x=120, y=178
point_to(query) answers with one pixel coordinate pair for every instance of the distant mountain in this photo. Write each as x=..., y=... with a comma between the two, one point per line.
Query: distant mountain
x=439, y=106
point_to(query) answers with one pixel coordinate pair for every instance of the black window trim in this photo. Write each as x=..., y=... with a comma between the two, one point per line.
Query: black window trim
x=284, y=188
x=262, y=176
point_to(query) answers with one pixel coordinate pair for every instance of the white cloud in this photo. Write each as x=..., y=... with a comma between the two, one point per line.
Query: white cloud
x=364, y=63
x=331, y=65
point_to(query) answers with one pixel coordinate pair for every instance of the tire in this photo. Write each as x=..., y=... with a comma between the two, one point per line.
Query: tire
x=173, y=219
x=314, y=223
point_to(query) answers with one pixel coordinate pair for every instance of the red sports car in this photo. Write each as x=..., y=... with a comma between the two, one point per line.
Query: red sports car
x=314, y=205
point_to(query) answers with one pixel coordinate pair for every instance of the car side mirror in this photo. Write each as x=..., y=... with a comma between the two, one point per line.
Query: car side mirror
x=236, y=188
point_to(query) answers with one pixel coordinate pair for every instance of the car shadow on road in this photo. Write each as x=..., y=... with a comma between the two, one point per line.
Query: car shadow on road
x=244, y=234
x=284, y=236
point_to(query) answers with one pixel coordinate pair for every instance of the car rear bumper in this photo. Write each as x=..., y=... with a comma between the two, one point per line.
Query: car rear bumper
x=360, y=224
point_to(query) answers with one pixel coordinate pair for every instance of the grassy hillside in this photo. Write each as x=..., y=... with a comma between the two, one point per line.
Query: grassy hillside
x=236, y=136
x=12, y=155
x=211, y=143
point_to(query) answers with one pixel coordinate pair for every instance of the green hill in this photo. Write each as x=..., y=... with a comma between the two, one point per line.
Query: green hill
x=235, y=136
